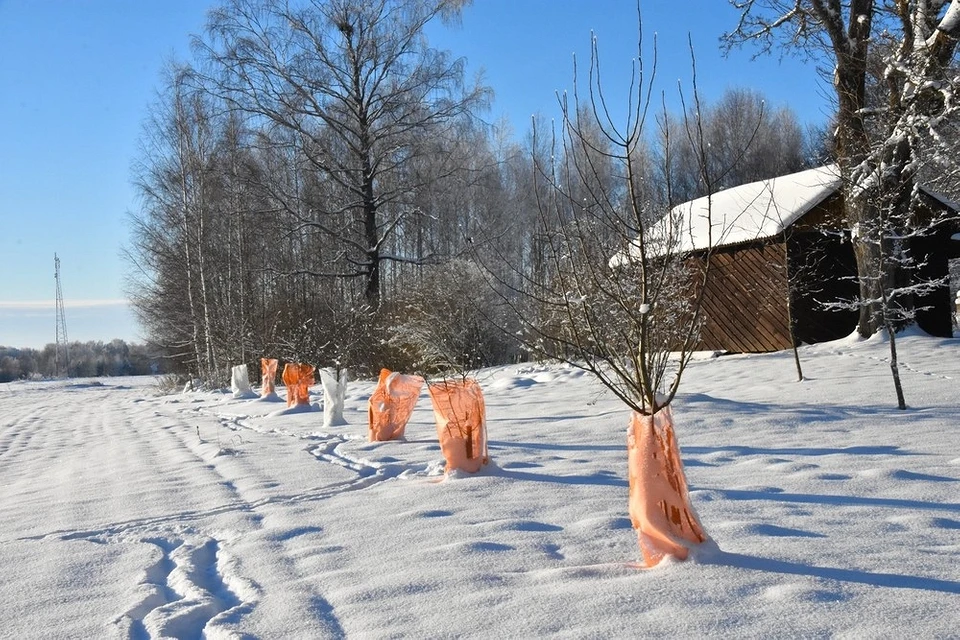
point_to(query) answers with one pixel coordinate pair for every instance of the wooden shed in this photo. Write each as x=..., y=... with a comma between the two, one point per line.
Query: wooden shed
x=782, y=253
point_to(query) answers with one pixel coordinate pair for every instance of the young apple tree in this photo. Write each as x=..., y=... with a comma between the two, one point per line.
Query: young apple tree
x=617, y=294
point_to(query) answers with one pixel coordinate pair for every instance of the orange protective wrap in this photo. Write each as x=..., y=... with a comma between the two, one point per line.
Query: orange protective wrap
x=392, y=403
x=298, y=378
x=660, y=507
x=269, y=368
x=461, y=423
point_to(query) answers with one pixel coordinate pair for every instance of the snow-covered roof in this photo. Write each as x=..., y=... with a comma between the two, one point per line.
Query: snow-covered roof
x=751, y=211
x=942, y=199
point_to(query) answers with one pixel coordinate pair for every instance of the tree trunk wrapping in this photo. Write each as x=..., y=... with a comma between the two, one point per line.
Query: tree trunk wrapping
x=461, y=423
x=391, y=404
x=268, y=367
x=660, y=508
x=334, y=394
x=240, y=381
x=298, y=378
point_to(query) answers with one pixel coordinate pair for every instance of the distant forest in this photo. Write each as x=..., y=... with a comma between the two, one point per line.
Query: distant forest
x=321, y=186
x=85, y=359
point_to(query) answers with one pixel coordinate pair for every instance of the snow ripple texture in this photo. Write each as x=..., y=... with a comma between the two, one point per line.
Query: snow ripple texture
x=128, y=514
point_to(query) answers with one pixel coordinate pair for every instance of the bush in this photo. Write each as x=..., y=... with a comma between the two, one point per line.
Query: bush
x=451, y=323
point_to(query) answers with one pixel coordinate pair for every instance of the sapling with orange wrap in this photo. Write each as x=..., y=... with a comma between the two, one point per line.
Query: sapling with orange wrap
x=440, y=331
x=617, y=295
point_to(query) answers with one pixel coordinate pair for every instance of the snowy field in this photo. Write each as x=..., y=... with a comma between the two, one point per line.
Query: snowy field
x=132, y=515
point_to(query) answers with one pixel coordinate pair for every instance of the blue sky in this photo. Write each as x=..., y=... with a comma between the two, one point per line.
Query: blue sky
x=77, y=77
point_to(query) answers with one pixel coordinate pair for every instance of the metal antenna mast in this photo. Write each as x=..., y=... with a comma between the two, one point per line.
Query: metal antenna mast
x=62, y=354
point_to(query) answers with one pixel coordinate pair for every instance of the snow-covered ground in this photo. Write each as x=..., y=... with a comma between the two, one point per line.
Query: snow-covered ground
x=128, y=514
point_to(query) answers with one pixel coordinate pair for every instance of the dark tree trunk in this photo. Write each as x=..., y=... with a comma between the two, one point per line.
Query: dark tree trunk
x=372, y=237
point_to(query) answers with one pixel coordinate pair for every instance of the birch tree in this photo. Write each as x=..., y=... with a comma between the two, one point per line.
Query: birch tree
x=357, y=85
x=172, y=295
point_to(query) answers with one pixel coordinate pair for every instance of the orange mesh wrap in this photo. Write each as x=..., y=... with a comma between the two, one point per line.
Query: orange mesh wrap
x=298, y=378
x=392, y=403
x=306, y=381
x=269, y=368
x=461, y=423
x=660, y=507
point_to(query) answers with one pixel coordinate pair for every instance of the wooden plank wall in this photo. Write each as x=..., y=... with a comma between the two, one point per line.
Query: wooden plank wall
x=745, y=305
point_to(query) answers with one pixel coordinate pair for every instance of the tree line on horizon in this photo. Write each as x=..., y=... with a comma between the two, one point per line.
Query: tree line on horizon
x=86, y=360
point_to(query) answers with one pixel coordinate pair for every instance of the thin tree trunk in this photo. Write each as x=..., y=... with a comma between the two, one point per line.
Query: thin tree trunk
x=790, y=323
x=894, y=366
x=213, y=369
x=895, y=370
x=242, y=270
x=198, y=165
x=372, y=292
x=188, y=254
x=892, y=335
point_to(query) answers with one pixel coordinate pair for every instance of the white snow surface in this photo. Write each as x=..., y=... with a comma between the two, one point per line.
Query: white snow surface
x=832, y=514
x=751, y=211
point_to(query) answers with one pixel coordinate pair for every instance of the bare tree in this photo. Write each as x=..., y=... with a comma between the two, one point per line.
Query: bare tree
x=619, y=291
x=327, y=158
x=618, y=296
x=886, y=132
x=170, y=289
x=907, y=238
x=357, y=85
x=878, y=146
x=745, y=141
